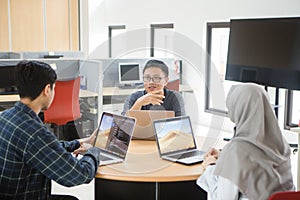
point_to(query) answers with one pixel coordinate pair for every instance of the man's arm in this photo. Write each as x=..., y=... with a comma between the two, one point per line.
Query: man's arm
x=127, y=105
x=46, y=154
x=70, y=146
x=178, y=104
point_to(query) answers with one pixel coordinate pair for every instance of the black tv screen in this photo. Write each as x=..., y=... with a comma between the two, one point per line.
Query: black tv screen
x=265, y=51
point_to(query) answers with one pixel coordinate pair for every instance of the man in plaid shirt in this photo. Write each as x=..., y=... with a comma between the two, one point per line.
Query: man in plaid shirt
x=30, y=155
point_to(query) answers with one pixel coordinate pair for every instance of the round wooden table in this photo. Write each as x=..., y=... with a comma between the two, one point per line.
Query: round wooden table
x=143, y=164
x=144, y=175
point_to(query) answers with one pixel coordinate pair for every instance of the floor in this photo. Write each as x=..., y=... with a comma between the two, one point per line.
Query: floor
x=82, y=192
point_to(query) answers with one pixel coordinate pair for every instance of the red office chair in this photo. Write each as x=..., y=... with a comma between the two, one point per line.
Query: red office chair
x=65, y=106
x=285, y=196
x=173, y=85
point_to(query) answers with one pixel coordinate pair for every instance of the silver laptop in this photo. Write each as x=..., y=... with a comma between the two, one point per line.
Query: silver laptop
x=113, y=137
x=143, y=129
x=176, y=141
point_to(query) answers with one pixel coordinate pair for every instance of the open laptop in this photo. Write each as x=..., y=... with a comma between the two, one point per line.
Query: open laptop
x=143, y=129
x=176, y=141
x=113, y=137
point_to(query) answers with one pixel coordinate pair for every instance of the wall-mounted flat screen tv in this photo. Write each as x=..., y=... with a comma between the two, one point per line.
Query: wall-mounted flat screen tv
x=265, y=51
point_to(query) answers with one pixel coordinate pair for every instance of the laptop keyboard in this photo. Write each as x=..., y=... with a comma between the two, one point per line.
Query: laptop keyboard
x=187, y=154
x=104, y=158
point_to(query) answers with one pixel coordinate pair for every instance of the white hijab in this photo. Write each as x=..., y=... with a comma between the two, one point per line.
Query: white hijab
x=257, y=159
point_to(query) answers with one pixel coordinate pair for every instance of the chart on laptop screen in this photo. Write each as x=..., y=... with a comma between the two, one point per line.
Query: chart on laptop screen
x=174, y=135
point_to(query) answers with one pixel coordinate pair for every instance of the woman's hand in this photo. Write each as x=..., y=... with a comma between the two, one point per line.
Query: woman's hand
x=210, y=157
x=209, y=160
x=213, y=152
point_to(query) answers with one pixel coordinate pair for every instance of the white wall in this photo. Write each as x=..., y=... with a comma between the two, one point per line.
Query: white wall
x=189, y=17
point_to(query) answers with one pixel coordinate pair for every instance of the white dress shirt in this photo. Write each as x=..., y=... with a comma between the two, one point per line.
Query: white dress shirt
x=217, y=187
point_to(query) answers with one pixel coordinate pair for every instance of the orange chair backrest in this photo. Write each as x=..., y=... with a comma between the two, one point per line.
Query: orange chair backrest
x=173, y=85
x=285, y=196
x=65, y=106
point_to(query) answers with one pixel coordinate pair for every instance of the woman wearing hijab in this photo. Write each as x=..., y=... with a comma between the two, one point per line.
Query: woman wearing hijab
x=256, y=162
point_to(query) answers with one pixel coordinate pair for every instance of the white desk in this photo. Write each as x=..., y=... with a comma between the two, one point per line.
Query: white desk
x=9, y=98
x=116, y=91
x=107, y=91
x=15, y=97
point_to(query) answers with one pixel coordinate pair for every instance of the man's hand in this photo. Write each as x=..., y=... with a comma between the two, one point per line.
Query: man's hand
x=82, y=149
x=86, y=143
x=154, y=97
x=90, y=139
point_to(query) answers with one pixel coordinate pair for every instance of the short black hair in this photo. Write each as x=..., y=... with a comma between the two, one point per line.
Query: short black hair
x=159, y=64
x=31, y=77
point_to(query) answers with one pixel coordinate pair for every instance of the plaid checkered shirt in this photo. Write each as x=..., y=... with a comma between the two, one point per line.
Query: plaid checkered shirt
x=31, y=156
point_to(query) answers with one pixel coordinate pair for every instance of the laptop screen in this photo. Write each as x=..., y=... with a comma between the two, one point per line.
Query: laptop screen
x=144, y=121
x=174, y=134
x=146, y=117
x=115, y=133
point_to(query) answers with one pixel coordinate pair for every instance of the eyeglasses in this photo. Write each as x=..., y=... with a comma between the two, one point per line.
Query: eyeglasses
x=155, y=79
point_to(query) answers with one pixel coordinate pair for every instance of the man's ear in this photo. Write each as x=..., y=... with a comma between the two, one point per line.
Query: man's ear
x=167, y=80
x=47, y=90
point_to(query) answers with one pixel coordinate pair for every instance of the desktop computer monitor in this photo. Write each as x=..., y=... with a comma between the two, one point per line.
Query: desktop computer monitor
x=7, y=80
x=129, y=74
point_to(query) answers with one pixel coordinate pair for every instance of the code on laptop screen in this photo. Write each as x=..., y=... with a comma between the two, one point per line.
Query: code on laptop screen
x=115, y=133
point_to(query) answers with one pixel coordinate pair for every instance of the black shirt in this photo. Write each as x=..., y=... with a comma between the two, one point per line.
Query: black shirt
x=173, y=101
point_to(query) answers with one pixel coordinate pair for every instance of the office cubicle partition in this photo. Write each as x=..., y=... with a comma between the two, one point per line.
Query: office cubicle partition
x=111, y=69
x=68, y=69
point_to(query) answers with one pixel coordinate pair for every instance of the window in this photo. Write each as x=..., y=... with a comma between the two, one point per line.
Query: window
x=112, y=32
x=292, y=113
x=216, y=48
x=162, y=39
x=296, y=108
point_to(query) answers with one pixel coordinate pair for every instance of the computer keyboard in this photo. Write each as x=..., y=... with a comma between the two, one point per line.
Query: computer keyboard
x=104, y=158
x=128, y=87
x=187, y=154
x=6, y=105
x=190, y=154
